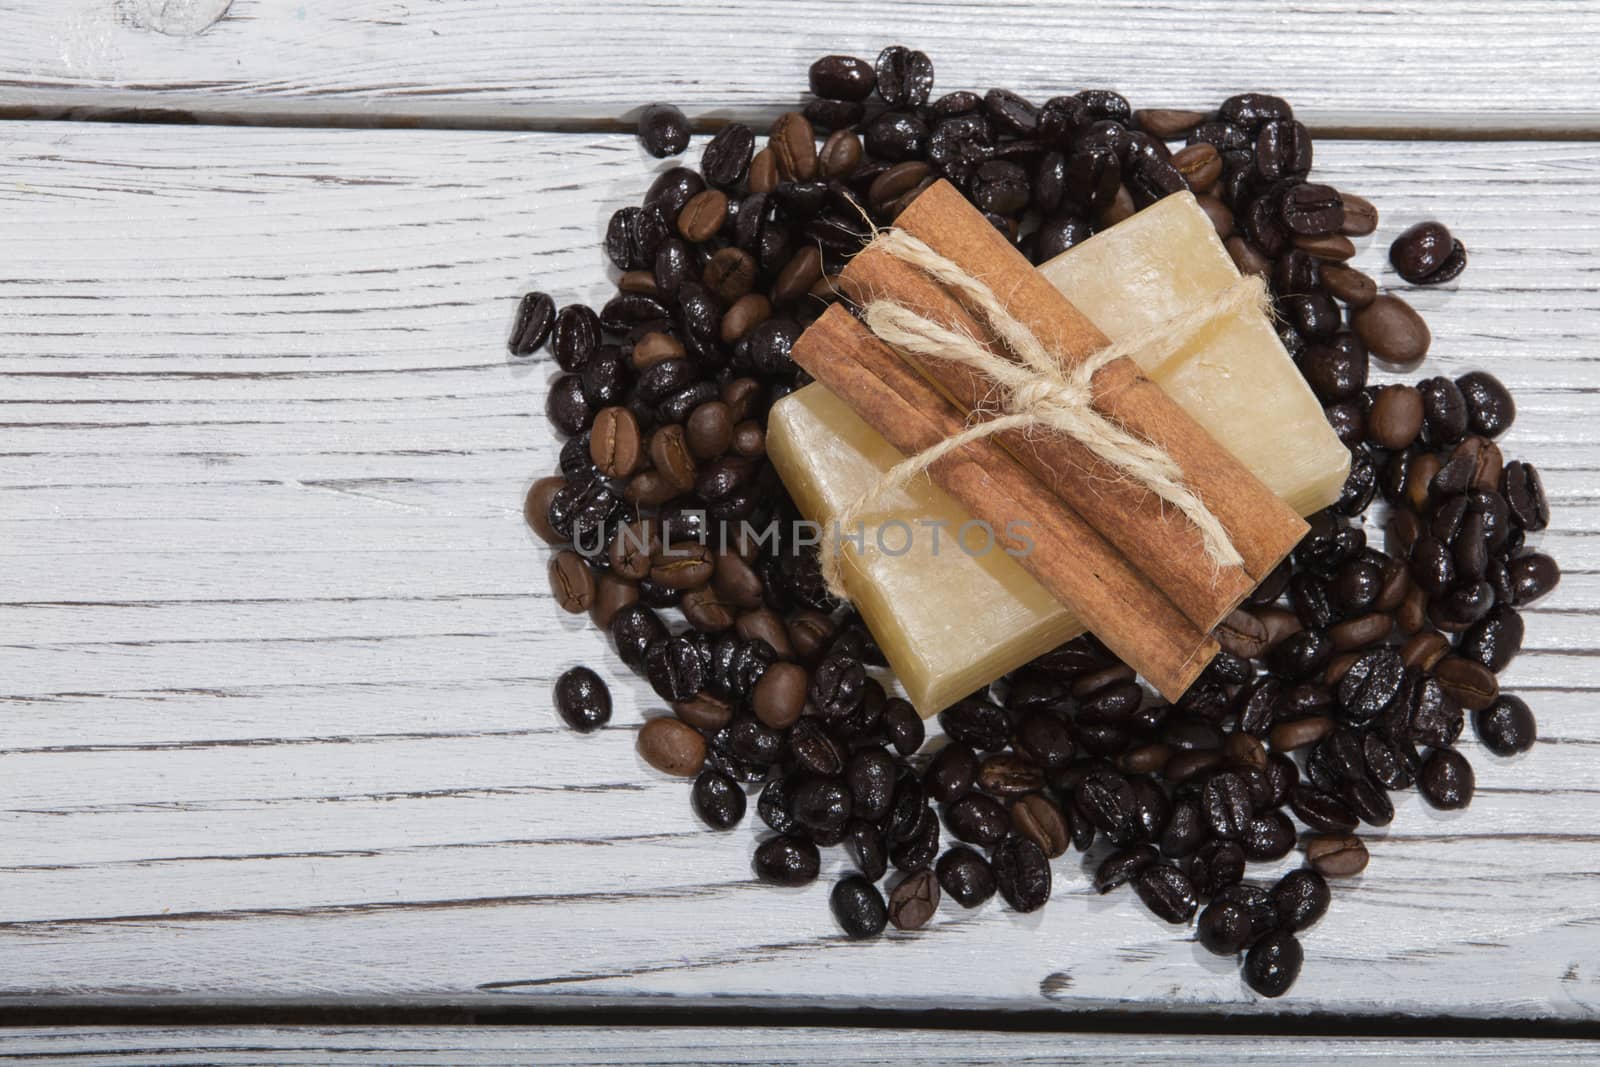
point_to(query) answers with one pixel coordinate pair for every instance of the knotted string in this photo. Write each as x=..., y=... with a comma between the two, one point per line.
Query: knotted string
x=1038, y=390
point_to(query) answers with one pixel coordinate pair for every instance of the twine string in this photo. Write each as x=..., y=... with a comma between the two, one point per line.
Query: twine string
x=1037, y=391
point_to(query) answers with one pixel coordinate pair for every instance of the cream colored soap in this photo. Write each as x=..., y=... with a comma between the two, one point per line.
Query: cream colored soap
x=951, y=617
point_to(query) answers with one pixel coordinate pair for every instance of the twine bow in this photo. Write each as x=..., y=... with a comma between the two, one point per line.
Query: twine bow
x=1037, y=390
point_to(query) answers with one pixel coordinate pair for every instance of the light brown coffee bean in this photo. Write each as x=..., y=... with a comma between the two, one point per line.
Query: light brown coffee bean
x=653, y=348
x=749, y=439
x=1245, y=751
x=1146, y=759
x=669, y=451
x=611, y=595
x=704, y=712
x=1423, y=651
x=1360, y=216
x=1280, y=624
x=1094, y=681
x=639, y=282
x=649, y=489
x=536, y=508
x=1486, y=458
x=1242, y=634
x=914, y=900
x=1393, y=330
x=1298, y=733
x=1219, y=213
x=632, y=547
x=1247, y=258
x=797, y=277
x=780, y=696
x=1361, y=631
x=1200, y=164
x=1473, y=685
x=747, y=312
x=1037, y=818
x=706, y=610
x=1168, y=124
x=1330, y=247
x=1337, y=855
x=794, y=147
x=614, y=442
x=764, y=171
x=810, y=633
x=708, y=431
x=741, y=395
x=1396, y=416
x=672, y=747
x=840, y=155
x=1349, y=284
x=682, y=565
x=729, y=274
x=896, y=182
x=572, y=582
x=764, y=624
x=703, y=216
x=1006, y=774
x=737, y=581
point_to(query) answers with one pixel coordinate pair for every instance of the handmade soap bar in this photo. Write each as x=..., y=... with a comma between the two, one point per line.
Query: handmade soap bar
x=954, y=612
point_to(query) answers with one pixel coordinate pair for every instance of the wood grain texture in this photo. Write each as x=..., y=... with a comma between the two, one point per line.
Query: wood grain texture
x=278, y=651
x=560, y=1046
x=1400, y=64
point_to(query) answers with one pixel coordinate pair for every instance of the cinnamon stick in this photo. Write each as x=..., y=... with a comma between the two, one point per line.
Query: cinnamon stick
x=1158, y=539
x=1068, y=557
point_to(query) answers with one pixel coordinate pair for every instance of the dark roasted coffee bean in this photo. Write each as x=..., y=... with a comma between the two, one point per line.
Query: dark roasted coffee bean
x=1123, y=866
x=1506, y=726
x=903, y=726
x=1444, y=411
x=1311, y=209
x=1300, y=898
x=905, y=77
x=813, y=751
x=1045, y=738
x=865, y=844
x=582, y=699
x=1426, y=254
x=1167, y=892
x=1283, y=150
x=1215, y=865
x=1185, y=830
x=1008, y=774
x=917, y=849
x=1321, y=811
x=1267, y=837
x=1446, y=781
x=1335, y=372
x=821, y=804
x=718, y=800
x=727, y=156
x=977, y=722
x=674, y=668
x=1493, y=640
x=566, y=407
x=952, y=772
x=1532, y=576
x=1021, y=873
x=1370, y=684
x=535, y=317
x=1490, y=409
x=773, y=806
x=1273, y=964
x=1251, y=111
x=1224, y=928
x=1524, y=492
x=896, y=136
x=977, y=819
x=663, y=130
x=870, y=774
x=705, y=712
x=837, y=686
x=842, y=78
x=634, y=629
x=672, y=747
x=787, y=860
x=966, y=876
x=1225, y=803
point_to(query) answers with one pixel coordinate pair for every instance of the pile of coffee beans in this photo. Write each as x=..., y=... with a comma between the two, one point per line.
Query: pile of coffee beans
x=1348, y=675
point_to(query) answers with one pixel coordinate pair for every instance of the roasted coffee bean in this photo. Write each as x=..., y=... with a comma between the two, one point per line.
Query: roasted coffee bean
x=821, y=804
x=566, y=407
x=1388, y=765
x=1361, y=631
x=1300, y=898
x=1269, y=836
x=536, y=508
x=913, y=902
x=1007, y=774
x=1021, y=873
x=614, y=442
x=1224, y=928
x=726, y=159
x=1038, y=819
x=1523, y=490
x=571, y=582
x=794, y=147
x=838, y=686
x=1167, y=892
x=1370, y=684
x=611, y=595
x=582, y=699
x=682, y=565
x=773, y=806
x=1225, y=803
x=1446, y=781
x=535, y=318
x=1273, y=964
x=966, y=876
x=1428, y=712
x=840, y=154
x=1283, y=150
x=788, y=860
x=902, y=726
x=674, y=668
x=977, y=819
x=1334, y=372
x=1123, y=866
x=917, y=848
x=672, y=747
x=1490, y=409
x=842, y=78
x=1532, y=576
x=1311, y=209
x=663, y=130
x=865, y=844
x=1045, y=738
x=635, y=628
x=704, y=712
x=703, y=216
x=1469, y=682
x=1321, y=811
x=1506, y=726
x=1426, y=254
x=896, y=136
x=977, y=722
x=1349, y=285
x=1396, y=417
x=952, y=772
x=718, y=800
x=870, y=774
x=905, y=77
x=780, y=695
x=1493, y=640
x=1337, y=855
x=1393, y=330
x=1424, y=650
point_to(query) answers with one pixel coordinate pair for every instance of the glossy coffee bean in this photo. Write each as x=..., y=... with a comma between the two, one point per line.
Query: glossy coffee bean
x=1490, y=409
x=1167, y=892
x=1300, y=898
x=1021, y=873
x=582, y=699
x=1224, y=928
x=663, y=130
x=1426, y=254
x=965, y=876
x=1273, y=964
x=1447, y=781
x=788, y=860
x=718, y=800
x=858, y=907
x=1506, y=726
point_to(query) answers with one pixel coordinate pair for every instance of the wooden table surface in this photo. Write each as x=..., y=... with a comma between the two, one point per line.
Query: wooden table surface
x=277, y=650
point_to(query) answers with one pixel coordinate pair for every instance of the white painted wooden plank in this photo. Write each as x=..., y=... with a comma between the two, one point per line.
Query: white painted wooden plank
x=277, y=649
x=485, y=1046
x=1461, y=64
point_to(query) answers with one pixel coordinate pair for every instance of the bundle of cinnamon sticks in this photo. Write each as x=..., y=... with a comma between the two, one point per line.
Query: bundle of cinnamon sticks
x=1131, y=568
